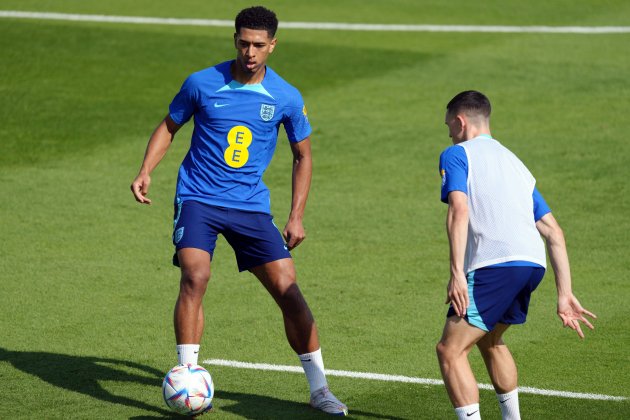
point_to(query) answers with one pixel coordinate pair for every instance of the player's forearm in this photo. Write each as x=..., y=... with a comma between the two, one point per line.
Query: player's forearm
x=457, y=231
x=557, y=249
x=301, y=185
x=559, y=258
x=157, y=147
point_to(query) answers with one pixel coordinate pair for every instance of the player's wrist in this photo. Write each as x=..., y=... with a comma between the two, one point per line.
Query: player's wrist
x=296, y=217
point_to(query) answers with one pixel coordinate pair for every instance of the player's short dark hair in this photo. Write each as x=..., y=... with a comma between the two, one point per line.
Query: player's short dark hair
x=257, y=17
x=470, y=102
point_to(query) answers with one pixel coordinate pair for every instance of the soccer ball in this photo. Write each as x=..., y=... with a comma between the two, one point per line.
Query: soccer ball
x=188, y=389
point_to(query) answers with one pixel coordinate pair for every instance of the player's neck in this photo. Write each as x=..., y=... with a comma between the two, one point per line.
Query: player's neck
x=248, y=78
x=474, y=131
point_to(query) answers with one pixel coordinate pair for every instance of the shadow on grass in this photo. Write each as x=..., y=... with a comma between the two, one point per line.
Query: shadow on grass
x=82, y=374
x=260, y=407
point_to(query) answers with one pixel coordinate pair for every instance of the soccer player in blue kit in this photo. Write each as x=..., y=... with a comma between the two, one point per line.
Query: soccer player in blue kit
x=238, y=107
x=494, y=223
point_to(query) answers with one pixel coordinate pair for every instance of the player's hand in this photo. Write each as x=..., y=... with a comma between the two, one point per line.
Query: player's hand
x=140, y=188
x=293, y=233
x=572, y=313
x=457, y=294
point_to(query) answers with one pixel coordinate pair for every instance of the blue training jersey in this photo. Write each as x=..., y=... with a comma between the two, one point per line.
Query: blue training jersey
x=235, y=135
x=454, y=172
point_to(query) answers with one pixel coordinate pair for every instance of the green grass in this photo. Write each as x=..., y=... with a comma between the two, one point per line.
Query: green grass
x=87, y=287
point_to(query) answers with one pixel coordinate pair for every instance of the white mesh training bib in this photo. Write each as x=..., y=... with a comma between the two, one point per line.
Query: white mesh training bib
x=501, y=224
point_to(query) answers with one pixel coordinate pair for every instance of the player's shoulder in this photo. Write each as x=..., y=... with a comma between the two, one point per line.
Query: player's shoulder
x=455, y=151
x=219, y=73
x=285, y=90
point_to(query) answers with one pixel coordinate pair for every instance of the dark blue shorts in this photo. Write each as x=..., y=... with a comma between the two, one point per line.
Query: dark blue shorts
x=500, y=295
x=253, y=236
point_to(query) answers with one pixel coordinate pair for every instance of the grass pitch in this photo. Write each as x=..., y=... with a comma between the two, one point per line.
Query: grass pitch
x=87, y=287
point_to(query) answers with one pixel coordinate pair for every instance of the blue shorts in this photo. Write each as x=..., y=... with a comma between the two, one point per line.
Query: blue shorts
x=253, y=236
x=500, y=295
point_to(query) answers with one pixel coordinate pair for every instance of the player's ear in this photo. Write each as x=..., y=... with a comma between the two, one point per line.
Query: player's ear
x=461, y=121
x=272, y=44
x=235, y=39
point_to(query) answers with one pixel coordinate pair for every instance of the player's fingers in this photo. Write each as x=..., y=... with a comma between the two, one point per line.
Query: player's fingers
x=135, y=189
x=139, y=196
x=290, y=241
x=455, y=307
x=461, y=305
x=587, y=323
x=570, y=323
x=578, y=329
x=592, y=315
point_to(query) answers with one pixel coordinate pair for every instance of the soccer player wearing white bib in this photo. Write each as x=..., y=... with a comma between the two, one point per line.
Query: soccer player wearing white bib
x=494, y=223
x=238, y=107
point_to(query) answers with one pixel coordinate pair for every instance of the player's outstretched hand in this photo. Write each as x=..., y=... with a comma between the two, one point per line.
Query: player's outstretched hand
x=293, y=233
x=572, y=313
x=457, y=294
x=140, y=188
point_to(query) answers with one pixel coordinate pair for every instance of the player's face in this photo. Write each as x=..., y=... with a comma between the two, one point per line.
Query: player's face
x=253, y=46
x=455, y=124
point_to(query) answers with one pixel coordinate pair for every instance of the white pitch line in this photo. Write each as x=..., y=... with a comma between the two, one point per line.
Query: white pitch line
x=405, y=379
x=320, y=25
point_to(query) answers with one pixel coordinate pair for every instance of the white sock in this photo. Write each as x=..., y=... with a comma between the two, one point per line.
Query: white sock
x=469, y=412
x=313, y=365
x=509, y=405
x=187, y=354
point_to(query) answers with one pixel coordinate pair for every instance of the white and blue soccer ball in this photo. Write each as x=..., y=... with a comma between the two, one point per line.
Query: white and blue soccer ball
x=188, y=390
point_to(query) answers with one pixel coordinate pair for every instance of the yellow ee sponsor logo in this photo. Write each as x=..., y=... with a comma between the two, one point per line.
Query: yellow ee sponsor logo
x=239, y=139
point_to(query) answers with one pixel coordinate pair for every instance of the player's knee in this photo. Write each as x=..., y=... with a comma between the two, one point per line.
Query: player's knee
x=442, y=351
x=291, y=300
x=446, y=352
x=194, y=281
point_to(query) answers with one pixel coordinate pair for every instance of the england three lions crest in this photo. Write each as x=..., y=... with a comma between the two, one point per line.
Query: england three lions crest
x=266, y=112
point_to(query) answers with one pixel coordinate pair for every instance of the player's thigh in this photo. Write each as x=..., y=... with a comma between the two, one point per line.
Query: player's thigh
x=458, y=335
x=278, y=276
x=494, y=337
x=194, y=264
x=196, y=226
x=256, y=240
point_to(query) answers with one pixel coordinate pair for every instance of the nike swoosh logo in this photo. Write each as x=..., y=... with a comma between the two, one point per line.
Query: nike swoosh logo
x=470, y=414
x=218, y=105
x=504, y=400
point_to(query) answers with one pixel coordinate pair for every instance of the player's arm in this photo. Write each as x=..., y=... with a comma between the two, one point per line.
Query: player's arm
x=457, y=231
x=158, y=144
x=294, y=232
x=569, y=309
